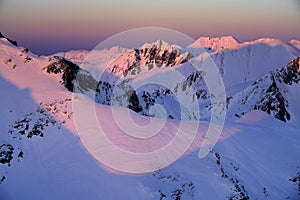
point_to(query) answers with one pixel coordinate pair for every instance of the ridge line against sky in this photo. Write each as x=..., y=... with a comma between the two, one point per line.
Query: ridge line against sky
x=48, y=27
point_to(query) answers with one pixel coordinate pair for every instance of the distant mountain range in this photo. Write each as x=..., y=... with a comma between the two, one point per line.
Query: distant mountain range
x=242, y=66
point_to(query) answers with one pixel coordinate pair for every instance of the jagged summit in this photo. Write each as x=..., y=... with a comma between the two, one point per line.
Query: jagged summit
x=149, y=56
x=162, y=45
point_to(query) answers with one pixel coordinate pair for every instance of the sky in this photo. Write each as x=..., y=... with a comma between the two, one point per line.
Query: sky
x=50, y=26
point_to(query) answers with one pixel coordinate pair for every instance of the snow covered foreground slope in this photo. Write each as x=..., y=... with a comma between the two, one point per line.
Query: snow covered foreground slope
x=256, y=157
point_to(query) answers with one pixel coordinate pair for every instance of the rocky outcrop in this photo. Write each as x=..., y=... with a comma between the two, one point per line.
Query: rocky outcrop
x=71, y=74
x=295, y=64
x=273, y=102
x=11, y=41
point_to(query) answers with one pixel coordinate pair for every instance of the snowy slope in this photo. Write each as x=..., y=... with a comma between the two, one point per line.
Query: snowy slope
x=96, y=58
x=75, y=56
x=250, y=61
x=275, y=93
x=257, y=157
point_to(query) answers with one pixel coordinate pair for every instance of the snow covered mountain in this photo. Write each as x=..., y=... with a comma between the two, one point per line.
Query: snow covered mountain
x=216, y=44
x=41, y=156
x=274, y=93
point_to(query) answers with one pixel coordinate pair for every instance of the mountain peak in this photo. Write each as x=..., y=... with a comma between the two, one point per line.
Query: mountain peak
x=215, y=43
x=221, y=38
x=161, y=45
x=151, y=55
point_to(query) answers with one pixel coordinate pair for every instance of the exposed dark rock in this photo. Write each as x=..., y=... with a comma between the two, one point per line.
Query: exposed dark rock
x=25, y=50
x=27, y=59
x=295, y=64
x=134, y=103
x=68, y=70
x=296, y=181
x=11, y=41
x=197, y=83
x=182, y=187
x=6, y=154
x=72, y=74
x=2, y=179
x=273, y=102
x=21, y=154
x=239, y=191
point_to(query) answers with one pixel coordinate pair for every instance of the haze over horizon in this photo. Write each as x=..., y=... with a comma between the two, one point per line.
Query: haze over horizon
x=48, y=27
